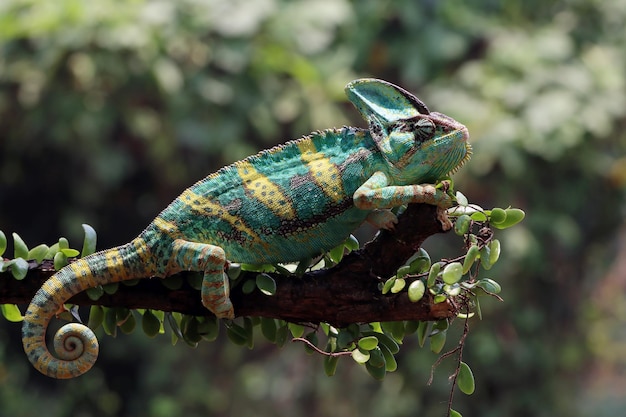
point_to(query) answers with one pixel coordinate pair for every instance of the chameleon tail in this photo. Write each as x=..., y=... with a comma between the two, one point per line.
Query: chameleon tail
x=75, y=344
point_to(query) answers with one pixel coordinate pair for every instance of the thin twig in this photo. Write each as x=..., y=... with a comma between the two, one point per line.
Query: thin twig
x=318, y=350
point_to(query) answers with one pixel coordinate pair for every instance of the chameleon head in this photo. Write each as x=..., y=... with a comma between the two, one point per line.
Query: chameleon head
x=434, y=145
x=416, y=143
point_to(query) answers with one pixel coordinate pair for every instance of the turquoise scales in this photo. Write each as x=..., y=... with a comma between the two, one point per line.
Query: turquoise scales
x=284, y=204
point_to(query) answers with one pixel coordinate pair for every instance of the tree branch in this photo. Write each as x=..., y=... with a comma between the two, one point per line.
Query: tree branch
x=347, y=293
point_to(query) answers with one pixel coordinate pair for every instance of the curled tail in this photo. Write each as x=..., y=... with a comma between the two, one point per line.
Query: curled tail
x=75, y=344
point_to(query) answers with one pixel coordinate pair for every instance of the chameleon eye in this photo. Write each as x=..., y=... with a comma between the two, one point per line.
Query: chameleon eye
x=423, y=129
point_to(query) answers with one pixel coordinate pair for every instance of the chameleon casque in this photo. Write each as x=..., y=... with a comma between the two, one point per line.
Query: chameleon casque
x=285, y=204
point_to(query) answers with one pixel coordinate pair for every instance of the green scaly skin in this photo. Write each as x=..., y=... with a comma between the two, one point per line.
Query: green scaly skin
x=284, y=204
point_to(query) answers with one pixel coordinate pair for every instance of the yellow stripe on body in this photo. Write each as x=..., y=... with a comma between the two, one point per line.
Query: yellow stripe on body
x=115, y=265
x=207, y=207
x=168, y=228
x=323, y=172
x=142, y=251
x=264, y=190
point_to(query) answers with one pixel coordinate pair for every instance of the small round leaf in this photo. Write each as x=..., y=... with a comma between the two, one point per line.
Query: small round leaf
x=462, y=224
x=368, y=342
x=360, y=356
x=416, y=290
x=266, y=284
x=465, y=379
x=494, y=251
x=497, y=216
x=150, y=324
x=452, y=273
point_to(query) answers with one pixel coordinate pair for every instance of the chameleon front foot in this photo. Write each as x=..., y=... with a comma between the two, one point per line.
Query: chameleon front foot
x=211, y=260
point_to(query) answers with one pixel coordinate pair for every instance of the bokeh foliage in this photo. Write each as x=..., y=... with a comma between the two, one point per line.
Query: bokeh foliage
x=108, y=110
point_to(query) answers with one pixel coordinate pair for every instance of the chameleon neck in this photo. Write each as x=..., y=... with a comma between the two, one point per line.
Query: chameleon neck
x=77, y=348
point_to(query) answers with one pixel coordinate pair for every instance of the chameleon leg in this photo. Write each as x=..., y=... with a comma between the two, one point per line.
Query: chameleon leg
x=376, y=193
x=210, y=259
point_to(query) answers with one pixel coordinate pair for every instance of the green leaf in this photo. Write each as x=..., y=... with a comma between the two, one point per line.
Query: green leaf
x=432, y=274
x=70, y=253
x=303, y=265
x=282, y=334
x=63, y=243
x=389, y=284
x=20, y=250
x=398, y=285
x=419, y=262
x=403, y=271
x=494, y=251
x=454, y=413
x=330, y=365
x=109, y=324
x=248, y=286
x=38, y=253
x=390, y=361
x=128, y=325
x=352, y=243
x=513, y=216
x=336, y=253
x=395, y=328
x=439, y=298
x=465, y=379
x=452, y=289
x=422, y=332
x=461, y=199
x=386, y=341
x=452, y=273
x=462, y=224
x=96, y=317
x=489, y=285
x=377, y=372
x=11, y=312
x=266, y=284
x=3, y=243
x=344, y=339
x=437, y=341
x=89, y=242
x=368, y=342
x=233, y=271
x=497, y=215
x=470, y=258
x=52, y=251
x=60, y=260
x=191, y=333
x=94, y=293
x=360, y=356
x=478, y=216
x=485, y=256
x=268, y=328
x=150, y=324
x=416, y=290
x=297, y=330
x=410, y=327
x=377, y=359
x=19, y=268
x=313, y=339
x=237, y=334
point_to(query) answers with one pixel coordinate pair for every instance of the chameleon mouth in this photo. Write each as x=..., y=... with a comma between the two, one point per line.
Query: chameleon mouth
x=467, y=157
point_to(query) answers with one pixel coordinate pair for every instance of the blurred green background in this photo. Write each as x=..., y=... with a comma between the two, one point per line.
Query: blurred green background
x=108, y=110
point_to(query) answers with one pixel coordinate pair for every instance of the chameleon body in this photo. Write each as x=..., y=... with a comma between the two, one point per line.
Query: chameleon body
x=284, y=204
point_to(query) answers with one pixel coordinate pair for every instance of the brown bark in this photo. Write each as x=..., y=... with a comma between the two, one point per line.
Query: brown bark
x=347, y=293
